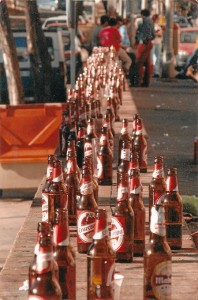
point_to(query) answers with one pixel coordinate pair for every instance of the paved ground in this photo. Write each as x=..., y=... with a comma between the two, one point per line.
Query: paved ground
x=170, y=114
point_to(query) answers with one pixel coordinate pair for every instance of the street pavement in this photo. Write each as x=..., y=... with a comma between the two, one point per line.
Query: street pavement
x=169, y=109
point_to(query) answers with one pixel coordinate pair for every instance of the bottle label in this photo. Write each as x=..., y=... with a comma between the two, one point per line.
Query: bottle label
x=117, y=233
x=122, y=192
x=86, y=188
x=161, y=280
x=45, y=205
x=135, y=186
x=58, y=177
x=43, y=261
x=171, y=184
x=124, y=130
x=125, y=154
x=70, y=169
x=88, y=149
x=90, y=129
x=49, y=172
x=158, y=197
x=157, y=224
x=85, y=225
x=60, y=235
x=43, y=298
x=158, y=172
x=103, y=140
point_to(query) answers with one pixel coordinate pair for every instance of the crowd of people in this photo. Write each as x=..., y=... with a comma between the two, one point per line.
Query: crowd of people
x=141, y=60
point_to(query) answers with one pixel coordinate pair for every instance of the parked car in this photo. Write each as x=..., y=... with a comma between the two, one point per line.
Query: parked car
x=51, y=4
x=55, y=48
x=187, y=42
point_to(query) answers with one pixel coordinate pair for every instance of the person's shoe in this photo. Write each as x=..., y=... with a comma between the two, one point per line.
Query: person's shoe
x=156, y=76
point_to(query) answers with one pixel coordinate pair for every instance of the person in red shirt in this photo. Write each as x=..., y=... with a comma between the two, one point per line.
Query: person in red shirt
x=110, y=36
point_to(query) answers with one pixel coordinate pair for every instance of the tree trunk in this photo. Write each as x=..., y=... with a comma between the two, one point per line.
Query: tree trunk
x=14, y=82
x=38, y=53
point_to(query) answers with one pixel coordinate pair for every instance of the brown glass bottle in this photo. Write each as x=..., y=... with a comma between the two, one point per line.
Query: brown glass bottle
x=124, y=136
x=157, y=186
x=64, y=132
x=106, y=123
x=122, y=223
x=43, y=229
x=58, y=194
x=124, y=159
x=133, y=135
x=45, y=284
x=134, y=162
x=45, y=189
x=100, y=261
x=80, y=145
x=64, y=254
x=173, y=210
x=86, y=208
x=140, y=146
x=110, y=110
x=157, y=259
x=72, y=185
x=135, y=198
x=104, y=159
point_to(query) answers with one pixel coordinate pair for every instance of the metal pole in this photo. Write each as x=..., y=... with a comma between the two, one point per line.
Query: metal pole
x=168, y=57
x=71, y=18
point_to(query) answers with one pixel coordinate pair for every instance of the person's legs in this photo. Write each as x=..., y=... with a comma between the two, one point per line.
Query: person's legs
x=140, y=59
x=148, y=64
x=157, y=52
x=124, y=57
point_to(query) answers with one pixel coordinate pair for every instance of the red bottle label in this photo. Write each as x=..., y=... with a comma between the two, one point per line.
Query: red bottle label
x=171, y=184
x=117, y=233
x=45, y=207
x=158, y=197
x=85, y=226
x=60, y=235
x=43, y=262
x=88, y=149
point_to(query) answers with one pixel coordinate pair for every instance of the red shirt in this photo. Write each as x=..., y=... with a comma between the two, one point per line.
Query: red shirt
x=110, y=36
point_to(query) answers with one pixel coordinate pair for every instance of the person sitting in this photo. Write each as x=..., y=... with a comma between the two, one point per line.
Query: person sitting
x=190, y=70
x=110, y=36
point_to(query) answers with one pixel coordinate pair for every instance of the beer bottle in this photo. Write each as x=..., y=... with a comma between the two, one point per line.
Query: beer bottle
x=110, y=110
x=133, y=135
x=64, y=132
x=135, y=198
x=72, y=185
x=133, y=162
x=106, y=123
x=43, y=229
x=157, y=259
x=45, y=284
x=80, y=145
x=173, y=210
x=140, y=146
x=123, y=136
x=58, y=193
x=157, y=186
x=88, y=163
x=64, y=254
x=86, y=207
x=45, y=189
x=100, y=261
x=124, y=159
x=71, y=147
x=105, y=159
x=122, y=223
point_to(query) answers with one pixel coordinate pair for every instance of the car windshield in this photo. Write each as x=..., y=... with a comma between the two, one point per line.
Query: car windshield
x=188, y=37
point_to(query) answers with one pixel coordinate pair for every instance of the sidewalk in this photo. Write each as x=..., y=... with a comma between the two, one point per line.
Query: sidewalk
x=185, y=263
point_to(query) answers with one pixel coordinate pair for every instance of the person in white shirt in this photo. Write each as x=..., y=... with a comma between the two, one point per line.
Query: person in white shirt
x=157, y=46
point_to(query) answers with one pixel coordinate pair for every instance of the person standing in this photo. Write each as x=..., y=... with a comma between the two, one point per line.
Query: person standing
x=157, y=46
x=144, y=36
x=95, y=41
x=110, y=36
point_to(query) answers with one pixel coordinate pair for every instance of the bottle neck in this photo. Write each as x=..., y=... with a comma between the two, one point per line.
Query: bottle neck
x=172, y=184
x=158, y=170
x=61, y=233
x=134, y=185
x=57, y=174
x=100, y=230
